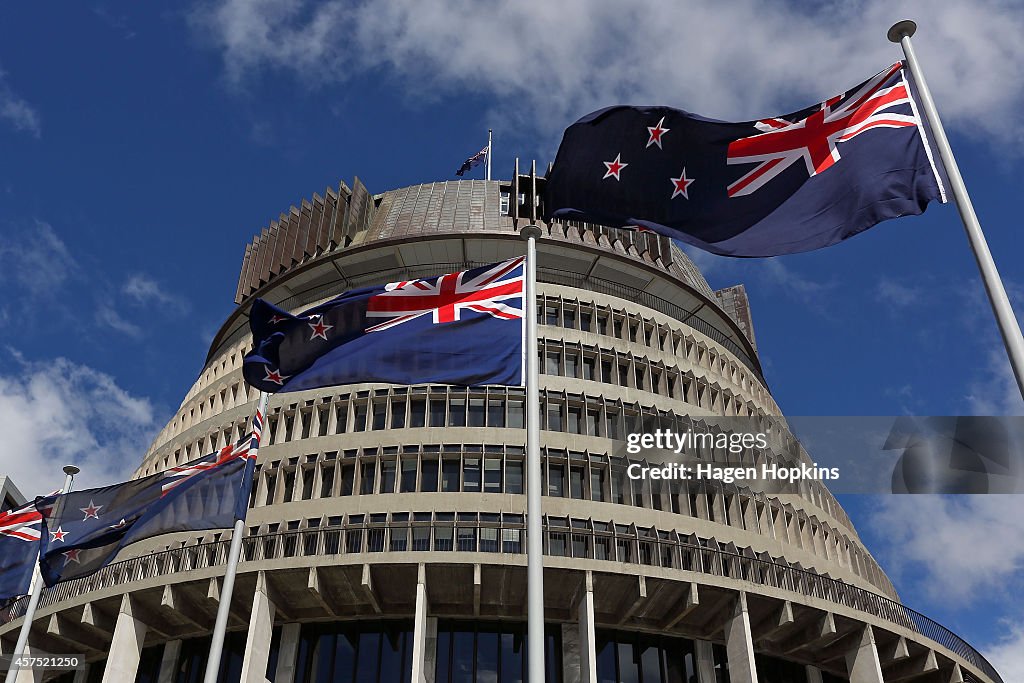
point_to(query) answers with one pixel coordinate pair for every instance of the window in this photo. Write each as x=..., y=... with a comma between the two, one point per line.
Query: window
x=366, y=477
x=597, y=477
x=307, y=483
x=457, y=412
x=574, y=420
x=387, y=475
x=551, y=363
x=572, y=362
x=408, y=474
x=495, y=411
x=450, y=475
x=341, y=412
x=585, y=319
x=471, y=475
x=516, y=415
x=554, y=413
x=327, y=480
x=437, y=410
x=379, y=409
x=556, y=480
x=589, y=365
x=428, y=478
x=477, y=412
x=398, y=414
x=492, y=475
x=348, y=475
x=514, y=476
x=417, y=412
x=360, y=410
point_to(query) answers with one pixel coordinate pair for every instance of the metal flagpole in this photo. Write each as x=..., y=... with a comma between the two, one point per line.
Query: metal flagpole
x=221, y=624
x=1008, y=327
x=534, y=525
x=37, y=590
x=488, y=154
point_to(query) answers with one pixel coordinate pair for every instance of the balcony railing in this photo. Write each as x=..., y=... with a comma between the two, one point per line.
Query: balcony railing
x=669, y=550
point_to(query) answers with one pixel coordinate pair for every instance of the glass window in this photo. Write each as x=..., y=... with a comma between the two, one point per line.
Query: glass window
x=495, y=411
x=457, y=413
x=387, y=475
x=327, y=481
x=554, y=417
x=585, y=318
x=551, y=363
x=307, y=483
x=428, y=478
x=471, y=474
x=417, y=412
x=408, y=481
x=516, y=415
x=437, y=410
x=289, y=485
x=575, y=420
x=589, y=366
x=576, y=481
x=572, y=362
x=366, y=476
x=556, y=480
x=398, y=414
x=569, y=316
x=593, y=420
x=514, y=476
x=477, y=412
x=597, y=477
x=341, y=413
x=551, y=315
x=450, y=475
x=492, y=475
x=360, y=410
x=348, y=475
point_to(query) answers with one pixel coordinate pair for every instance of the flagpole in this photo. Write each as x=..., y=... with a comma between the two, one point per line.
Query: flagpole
x=37, y=590
x=901, y=32
x=534, y=524
x=223, y=608
x=488, y=154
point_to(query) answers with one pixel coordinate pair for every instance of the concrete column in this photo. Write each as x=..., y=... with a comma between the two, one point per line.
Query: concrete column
x=587, y=637
x=286, y=654
x=169, y=662
x=125, y=646
x=739, y=644
x=813, y=674
x=705, y=661
x=862, y=659
x=419, y=634
x=571, y=658
x=430, y=660
x=261, y=628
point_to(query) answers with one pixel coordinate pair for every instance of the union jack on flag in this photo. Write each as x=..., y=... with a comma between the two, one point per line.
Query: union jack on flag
x=179, y=475
x=778, y=185
x=815, y=139
x=497, y=291
x=22, y=523
x=20, y=530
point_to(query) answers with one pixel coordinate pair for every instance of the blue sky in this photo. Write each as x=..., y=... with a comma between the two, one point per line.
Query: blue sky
x=142, y=147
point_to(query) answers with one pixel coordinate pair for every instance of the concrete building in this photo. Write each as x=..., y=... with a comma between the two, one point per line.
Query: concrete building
x=386, y=535
x=10, y=496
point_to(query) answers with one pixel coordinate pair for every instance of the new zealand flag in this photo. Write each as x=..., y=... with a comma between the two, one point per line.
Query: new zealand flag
x=83, y=531
x=762, y=188
x=462, y=328
x=19, y=544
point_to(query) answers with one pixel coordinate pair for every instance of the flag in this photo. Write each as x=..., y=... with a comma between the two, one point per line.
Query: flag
x=83, y=531
x=473, y=161
x=19, y=545
x=462, y=328
x=781, y=185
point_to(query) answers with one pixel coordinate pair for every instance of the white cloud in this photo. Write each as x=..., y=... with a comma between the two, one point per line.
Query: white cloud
x=36, y=260
x=143, y=290
x=106, y=315
x=16, y=111
x=956, y=547
x=1007, y=655
x=896, y=294
x=546, y=63
x=54, y=413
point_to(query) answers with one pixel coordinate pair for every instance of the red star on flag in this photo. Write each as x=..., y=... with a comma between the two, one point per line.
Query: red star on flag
x=656, y=133
x=320, y=329
x=91, y=511
x=58, y=535
x=71, y=556
x=680, y=185
x=275, y=376
x=614, y=167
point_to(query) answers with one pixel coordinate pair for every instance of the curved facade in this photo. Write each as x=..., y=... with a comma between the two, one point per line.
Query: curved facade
x=386, y=533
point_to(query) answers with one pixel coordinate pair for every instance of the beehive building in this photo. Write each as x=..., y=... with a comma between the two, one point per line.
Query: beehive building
x=386, y=535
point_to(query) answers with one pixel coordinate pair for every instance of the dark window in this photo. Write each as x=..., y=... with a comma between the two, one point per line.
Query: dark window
x=387, y=475
x=450, y=475
x=379, y=415
x=428, y=479
x=495, y=411
x=477, y=412
x=514, y=476
x=348, y=475
x=408, y=474
x=471, y=474
x=417, y=412
x=367, y=474
x=397, y=414
x=492, y=475
x=327, y=481
x=437, y=410
x=360, y=416
x=515, y=413
x=457, y=413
